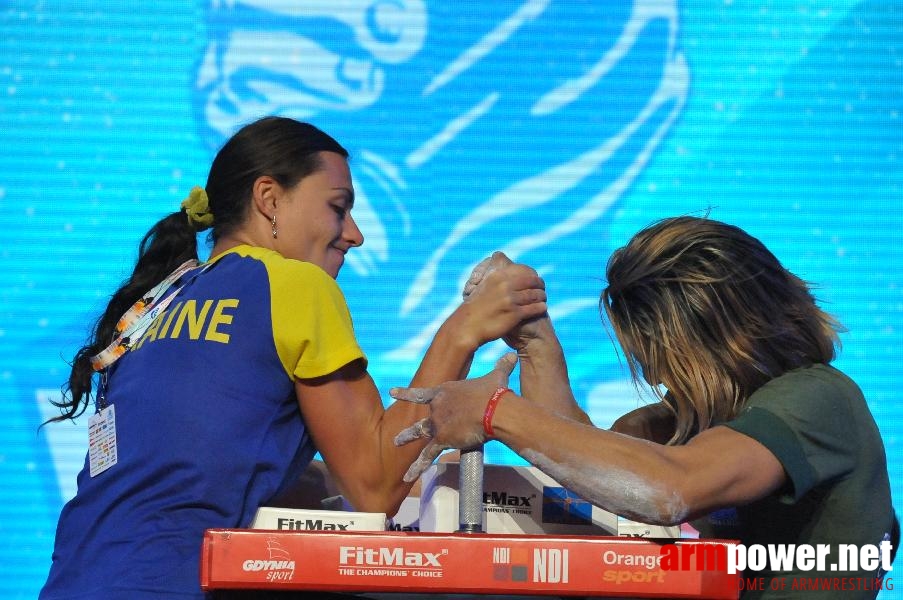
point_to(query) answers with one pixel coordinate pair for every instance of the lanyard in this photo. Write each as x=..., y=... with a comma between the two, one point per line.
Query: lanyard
x=139, y=317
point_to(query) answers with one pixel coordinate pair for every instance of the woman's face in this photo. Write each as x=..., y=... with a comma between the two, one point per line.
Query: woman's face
x=313, y=219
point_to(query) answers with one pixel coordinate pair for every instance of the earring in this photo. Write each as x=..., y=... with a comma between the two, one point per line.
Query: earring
x=274, y=226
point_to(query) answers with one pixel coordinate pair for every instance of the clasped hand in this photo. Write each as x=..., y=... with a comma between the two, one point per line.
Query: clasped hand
x=507, y=300
x=498, y=297
x=519, y=334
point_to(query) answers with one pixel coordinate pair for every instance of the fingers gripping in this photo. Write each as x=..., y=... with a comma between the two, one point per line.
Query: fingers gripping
x=415, y=395
x=424, y=427
x=420, y=429
x=484, y=268
x=426, y=458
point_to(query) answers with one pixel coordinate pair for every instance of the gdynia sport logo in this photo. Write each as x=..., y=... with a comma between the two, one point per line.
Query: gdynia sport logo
x=775, y=559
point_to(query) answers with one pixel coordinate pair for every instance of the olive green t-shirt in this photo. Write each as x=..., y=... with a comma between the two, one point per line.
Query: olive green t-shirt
x=816, y=422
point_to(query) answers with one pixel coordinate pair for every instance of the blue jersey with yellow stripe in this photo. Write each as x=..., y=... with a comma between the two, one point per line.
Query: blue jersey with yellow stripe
x=207, y=424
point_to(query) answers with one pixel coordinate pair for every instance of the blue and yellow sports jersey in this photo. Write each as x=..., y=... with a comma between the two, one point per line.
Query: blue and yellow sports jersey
x=207, y=423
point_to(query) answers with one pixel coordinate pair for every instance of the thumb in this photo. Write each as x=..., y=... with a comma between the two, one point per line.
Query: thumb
x=498, y=259
x=504, y=366
x=476, y=276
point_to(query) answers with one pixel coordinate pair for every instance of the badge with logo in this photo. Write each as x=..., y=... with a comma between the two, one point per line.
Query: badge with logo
x=102, y=440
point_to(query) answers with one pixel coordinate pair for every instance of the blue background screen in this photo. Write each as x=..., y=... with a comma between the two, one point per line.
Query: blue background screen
x=551, y=130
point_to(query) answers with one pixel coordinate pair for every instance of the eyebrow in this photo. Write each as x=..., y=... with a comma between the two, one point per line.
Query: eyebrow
x=349, y=192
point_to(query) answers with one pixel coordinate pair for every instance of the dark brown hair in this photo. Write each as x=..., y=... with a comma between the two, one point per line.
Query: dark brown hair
x=282, y=148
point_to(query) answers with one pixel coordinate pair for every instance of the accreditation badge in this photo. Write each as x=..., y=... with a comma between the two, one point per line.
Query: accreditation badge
x=102, y=440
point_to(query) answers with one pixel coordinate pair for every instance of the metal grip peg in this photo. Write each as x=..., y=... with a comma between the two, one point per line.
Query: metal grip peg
x=470, y=491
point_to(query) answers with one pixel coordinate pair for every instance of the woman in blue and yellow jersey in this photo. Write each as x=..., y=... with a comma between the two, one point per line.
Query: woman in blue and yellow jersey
x=216, y=383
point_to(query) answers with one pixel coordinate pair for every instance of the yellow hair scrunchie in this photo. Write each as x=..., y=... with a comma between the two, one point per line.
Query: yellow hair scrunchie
x=197, y=207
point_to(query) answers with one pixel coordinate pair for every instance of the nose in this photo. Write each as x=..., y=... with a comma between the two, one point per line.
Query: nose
x=352, y=233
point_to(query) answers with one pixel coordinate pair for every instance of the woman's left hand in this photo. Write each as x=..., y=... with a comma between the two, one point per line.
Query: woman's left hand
x=456, y=413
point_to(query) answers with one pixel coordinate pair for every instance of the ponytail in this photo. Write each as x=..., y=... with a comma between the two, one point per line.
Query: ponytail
x=168, y=244
x=282, y=148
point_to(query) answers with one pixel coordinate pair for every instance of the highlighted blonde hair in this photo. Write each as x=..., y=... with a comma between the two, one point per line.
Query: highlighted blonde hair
x=706, y=311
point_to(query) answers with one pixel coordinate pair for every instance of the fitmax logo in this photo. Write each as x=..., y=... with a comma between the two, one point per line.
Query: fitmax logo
x=311, y=524
x=388, y=557
x=503, y=499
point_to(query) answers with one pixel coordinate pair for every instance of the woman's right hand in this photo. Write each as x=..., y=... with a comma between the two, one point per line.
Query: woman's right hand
x=522, y=333
x=498, y=297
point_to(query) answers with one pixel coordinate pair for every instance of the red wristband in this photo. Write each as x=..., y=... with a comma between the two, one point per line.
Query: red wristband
x=490, y=410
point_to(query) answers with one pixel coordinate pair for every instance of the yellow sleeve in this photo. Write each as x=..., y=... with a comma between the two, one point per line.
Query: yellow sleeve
x=312, y=326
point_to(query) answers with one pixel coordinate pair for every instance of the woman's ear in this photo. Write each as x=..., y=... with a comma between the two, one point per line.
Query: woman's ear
x=264, y=194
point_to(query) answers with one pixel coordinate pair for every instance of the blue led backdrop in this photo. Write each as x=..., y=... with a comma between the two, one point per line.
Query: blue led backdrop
x=551, y=130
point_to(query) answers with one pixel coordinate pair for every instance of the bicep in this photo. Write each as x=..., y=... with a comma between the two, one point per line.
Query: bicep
x=341, y=411
x=654, y=422
x=725, y=468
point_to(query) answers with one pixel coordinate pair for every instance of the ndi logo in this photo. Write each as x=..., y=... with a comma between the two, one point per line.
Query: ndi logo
x=550, y=565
